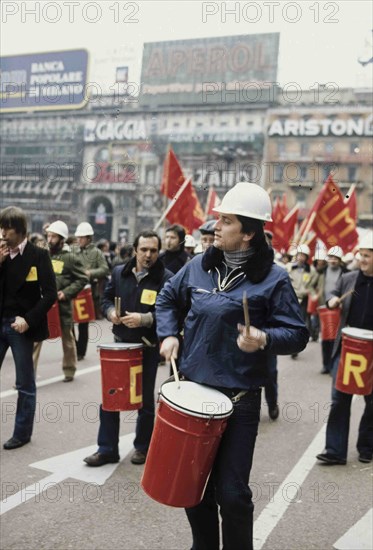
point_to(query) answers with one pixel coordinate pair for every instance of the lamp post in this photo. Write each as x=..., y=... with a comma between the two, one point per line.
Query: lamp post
x=227, y=154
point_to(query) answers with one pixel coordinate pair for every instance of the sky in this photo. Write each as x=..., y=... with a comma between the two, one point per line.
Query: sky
x=320, y=42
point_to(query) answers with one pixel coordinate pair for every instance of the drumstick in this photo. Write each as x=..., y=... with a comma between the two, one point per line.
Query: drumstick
x=346, y=294
x=246, y=311
x=174, y=370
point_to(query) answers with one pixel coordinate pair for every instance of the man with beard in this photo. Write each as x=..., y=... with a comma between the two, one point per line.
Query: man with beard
x=70, y=279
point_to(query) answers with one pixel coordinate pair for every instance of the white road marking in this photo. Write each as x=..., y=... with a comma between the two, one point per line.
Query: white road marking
x=359, y=535
x=48, y=381
x=68, y=465
x=273, y=512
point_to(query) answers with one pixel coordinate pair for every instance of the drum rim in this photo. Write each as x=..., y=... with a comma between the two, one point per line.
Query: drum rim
x=120, y=346
x=356, y=336
x=196, y=414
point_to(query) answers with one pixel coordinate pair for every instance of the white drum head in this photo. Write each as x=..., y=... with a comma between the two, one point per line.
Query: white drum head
x=119, y=346
x=196, y=399
x=359, y=333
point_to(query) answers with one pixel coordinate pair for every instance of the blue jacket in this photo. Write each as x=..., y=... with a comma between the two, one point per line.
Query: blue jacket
x=210, y=353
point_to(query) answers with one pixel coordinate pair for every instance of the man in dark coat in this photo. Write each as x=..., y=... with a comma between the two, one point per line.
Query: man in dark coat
x=27, y=292
x=357, y=286
x=174, y=256
x=137, y=285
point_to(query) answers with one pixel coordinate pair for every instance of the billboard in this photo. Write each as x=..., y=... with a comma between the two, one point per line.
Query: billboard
x=44, y=81
x=231, y=69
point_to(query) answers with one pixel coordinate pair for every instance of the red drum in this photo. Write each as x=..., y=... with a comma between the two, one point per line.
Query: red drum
x=355, y=369
x=189, y=425
x=54, y=323
x=329, y=319
x=312, y=304
x=121, y=376
x=84, y=309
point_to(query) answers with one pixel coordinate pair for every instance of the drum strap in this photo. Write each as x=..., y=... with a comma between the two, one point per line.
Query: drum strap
x=237, y=397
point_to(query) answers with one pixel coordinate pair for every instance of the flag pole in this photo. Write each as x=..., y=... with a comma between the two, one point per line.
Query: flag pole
x=311, y=219
x=163, y=217
x=209, y=193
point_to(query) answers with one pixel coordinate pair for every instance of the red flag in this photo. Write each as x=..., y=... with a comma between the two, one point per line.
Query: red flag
x=284, y=206
x=350, y=201
x=280, y=239
x=212, y=202
x=185, y=208
x=173, y=177
x=331, y=219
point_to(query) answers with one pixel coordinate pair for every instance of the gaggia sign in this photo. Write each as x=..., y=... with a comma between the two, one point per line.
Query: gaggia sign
x=44, y=81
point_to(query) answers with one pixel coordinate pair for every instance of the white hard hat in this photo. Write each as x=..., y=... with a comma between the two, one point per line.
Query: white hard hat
x=246, y=199
x=367, y=241
x=84, y=229
x=348, y=258
x=320, y=254
x=189, y=241
x=58, y=227
x=303, y=249
x=336, y=251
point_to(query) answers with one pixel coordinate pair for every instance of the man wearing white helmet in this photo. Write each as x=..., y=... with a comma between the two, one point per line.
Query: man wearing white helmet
x=326, y=284
x=96, y=269
x=27, y=292
x=356, y=312
x=189, y=245
x=71, y=279
x=300, y=274
x=219, y=351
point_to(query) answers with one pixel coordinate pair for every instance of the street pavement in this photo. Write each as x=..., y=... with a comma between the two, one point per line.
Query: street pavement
x=52, y=500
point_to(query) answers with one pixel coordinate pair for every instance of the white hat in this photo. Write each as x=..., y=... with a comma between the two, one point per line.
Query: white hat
x=189, y=241
x=348, y=258
x=248, y=200
x=320, y=254
x=367, y=241
x=84, y=229
x=336, y=251
x=60, y=228
x=303, y=249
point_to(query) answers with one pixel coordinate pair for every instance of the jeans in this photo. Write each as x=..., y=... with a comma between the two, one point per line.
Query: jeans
x=108, y=434
x=271, y=387
x=326, y=350
x=338, y=426
x=82, y=340
x=22, y=348
x=228, y=484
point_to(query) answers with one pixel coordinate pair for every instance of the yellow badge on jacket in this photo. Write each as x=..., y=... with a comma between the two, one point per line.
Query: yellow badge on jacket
x=57, y=266
x=148, y=297
x=32, y=274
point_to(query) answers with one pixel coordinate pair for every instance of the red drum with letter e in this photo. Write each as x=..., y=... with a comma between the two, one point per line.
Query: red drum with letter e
x=121, y=376
x=84, y=309
x=355, y=369
x=190, y=422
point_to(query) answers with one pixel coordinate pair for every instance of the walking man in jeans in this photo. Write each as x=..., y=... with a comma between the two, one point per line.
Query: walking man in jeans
x=27, y=292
